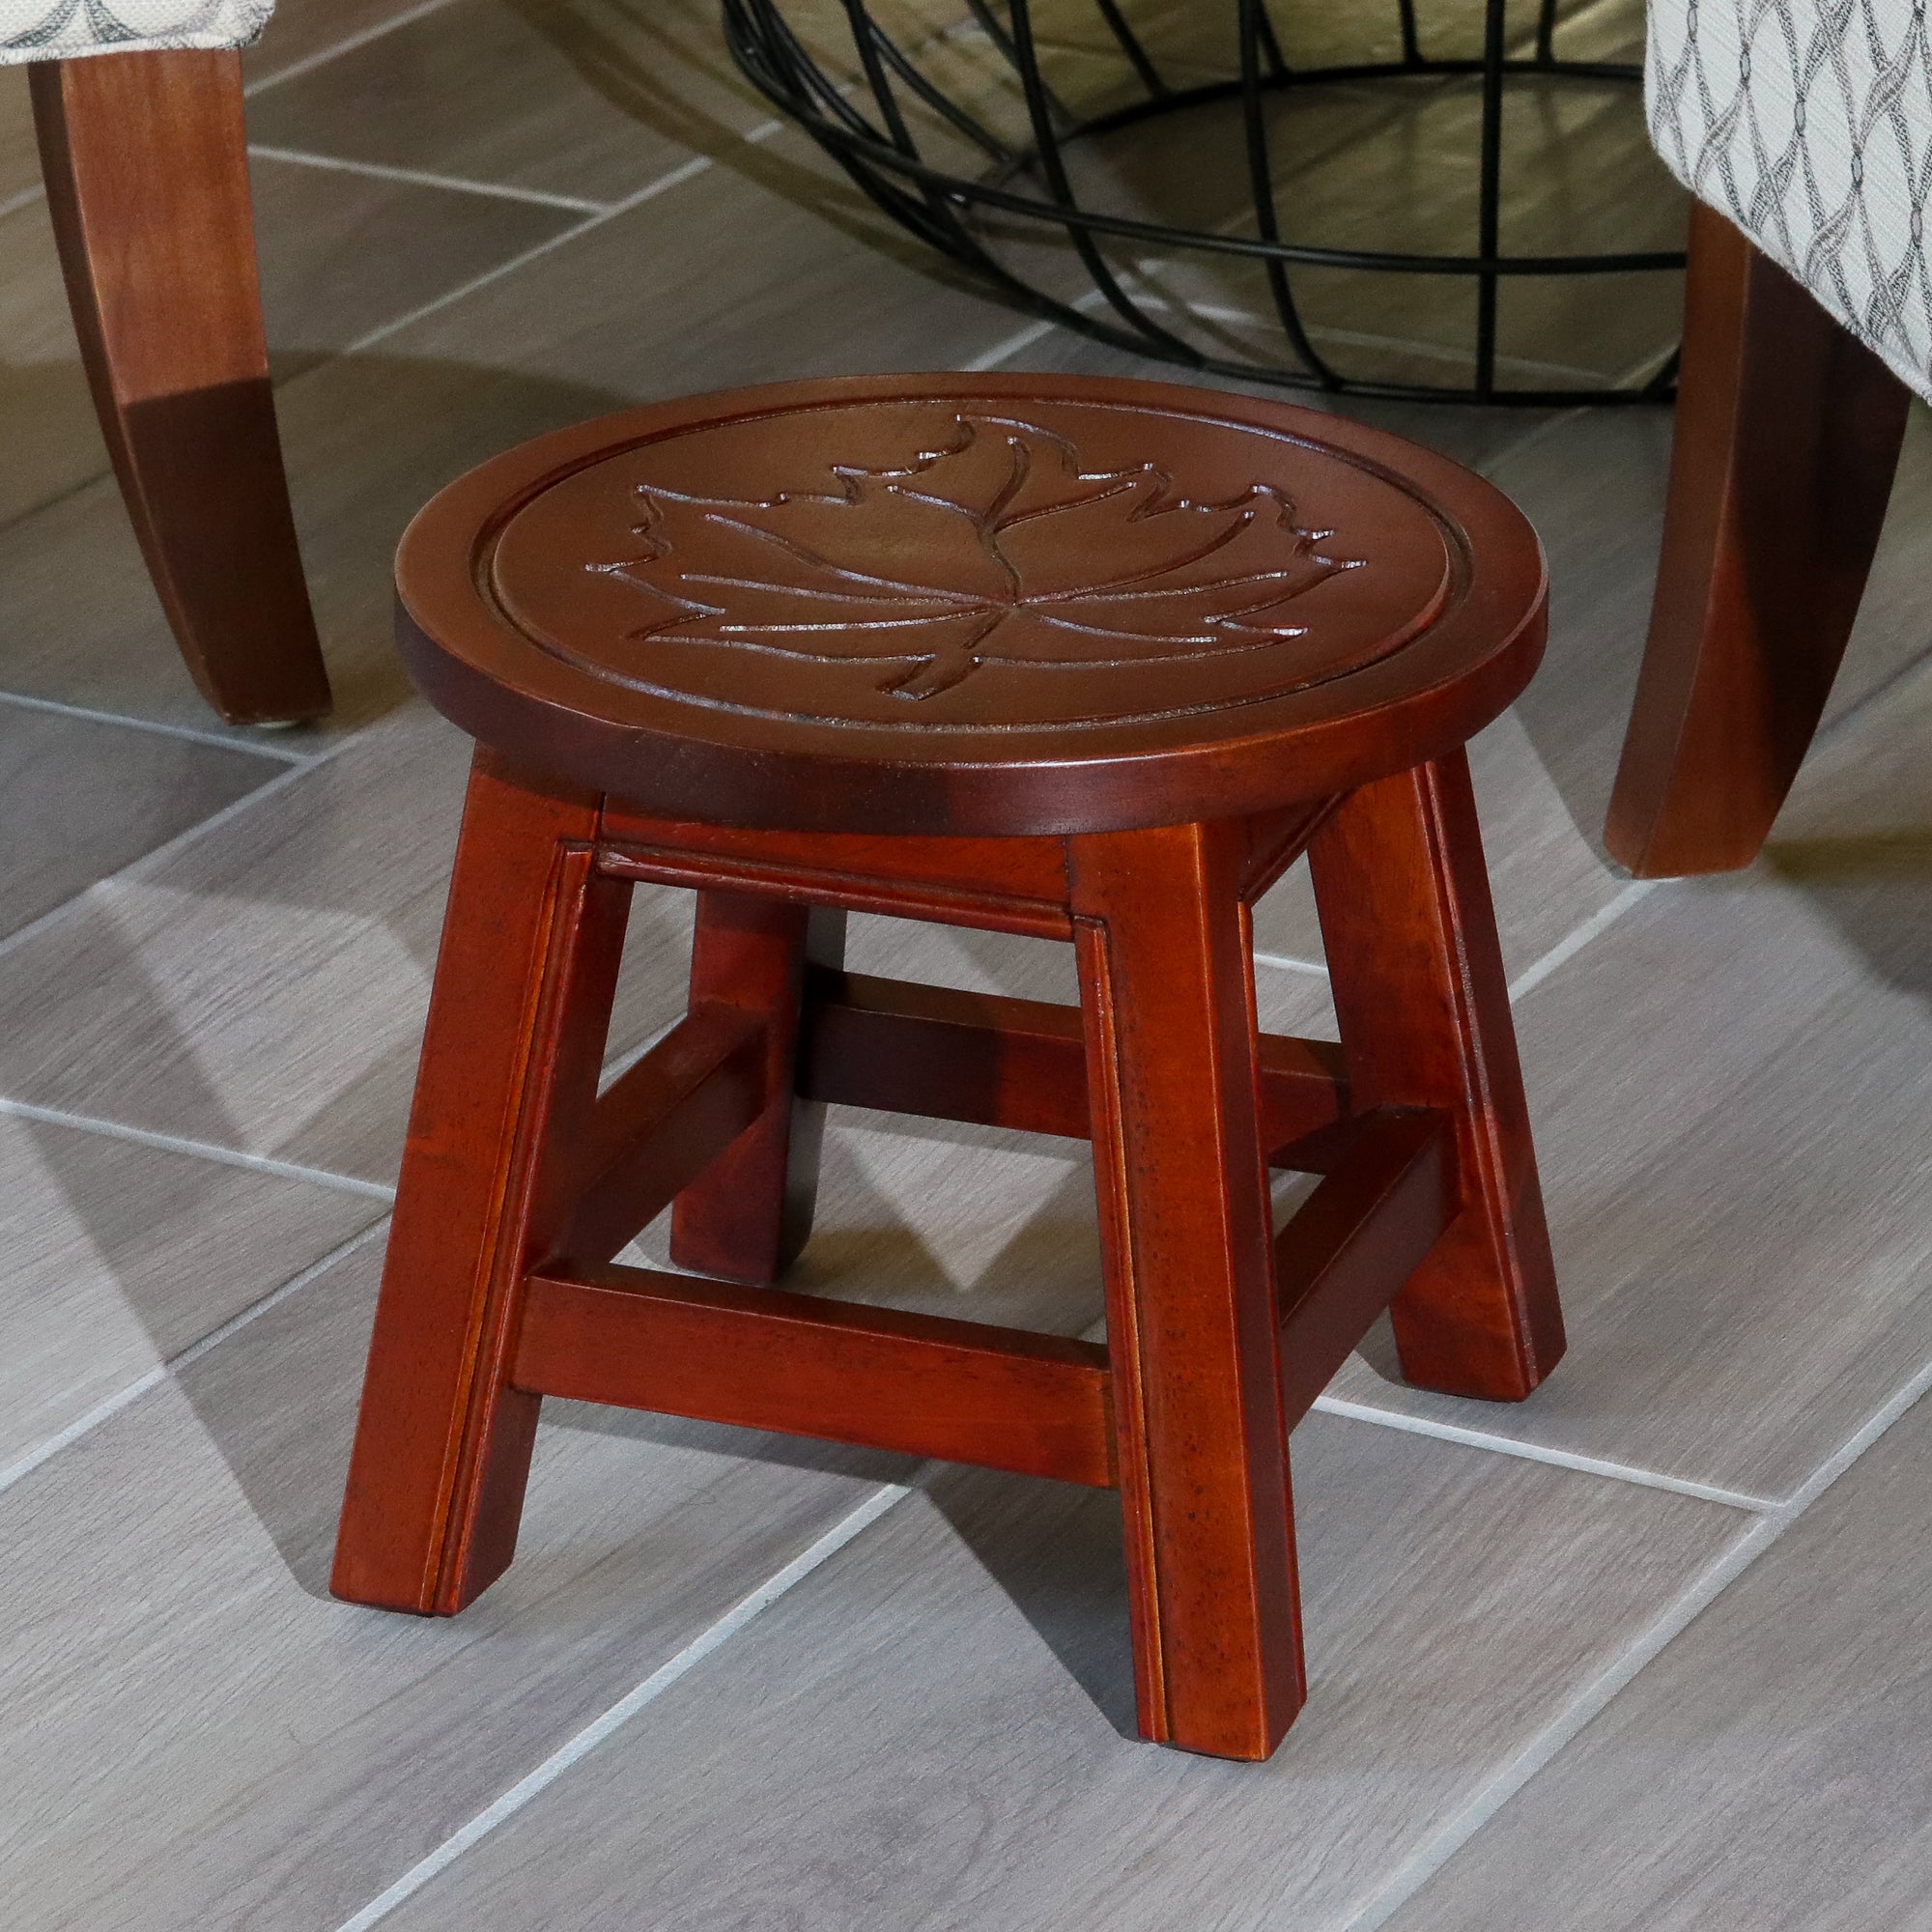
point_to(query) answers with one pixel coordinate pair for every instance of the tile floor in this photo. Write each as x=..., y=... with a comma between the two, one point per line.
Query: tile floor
x=1650, y=1651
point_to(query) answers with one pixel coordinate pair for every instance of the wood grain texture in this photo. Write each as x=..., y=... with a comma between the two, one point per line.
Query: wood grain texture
x=950, y=1055
x=746, y=1215
x=1788, y=432
x=146, y=163
x=664, y=1122
x=121, y=1257
x=84, y=799
x=1419, y=991
x=564, y=106
x=1086, y=682
x=498, y=1137
x=1742, y=1268
x=932, y=1724
x=762, y=1358
x=264, y=989
x=1357, y=1239
x=172, y=1661
x=1168, y=996
x=1784, y=1728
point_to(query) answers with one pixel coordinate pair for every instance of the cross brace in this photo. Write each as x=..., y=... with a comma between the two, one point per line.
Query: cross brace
x=928, y=1386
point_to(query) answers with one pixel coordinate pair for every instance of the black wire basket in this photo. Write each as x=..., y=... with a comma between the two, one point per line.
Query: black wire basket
x=1244, y=192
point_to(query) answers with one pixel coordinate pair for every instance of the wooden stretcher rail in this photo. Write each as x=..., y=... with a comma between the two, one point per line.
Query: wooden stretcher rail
x=664, y=1122
x=1356, y=1240
x=768, y=1359
x=1001, y=1062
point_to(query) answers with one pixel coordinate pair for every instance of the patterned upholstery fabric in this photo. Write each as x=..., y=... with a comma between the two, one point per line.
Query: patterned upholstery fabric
x=1810, y=123
x=32, y=30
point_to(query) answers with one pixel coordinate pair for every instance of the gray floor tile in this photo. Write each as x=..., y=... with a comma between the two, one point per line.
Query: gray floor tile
x=301, y=30
x=121, y=1256
x=1593, y=485
x=20, y=157
x=927, y=1732
x=1767, y=1770
x=1544, y=877
x=271, y=1758
x=52, y=442
x=340, y=254
x=265, y=989
x=596, y=101
x=84, y=799
x=1729, y=1087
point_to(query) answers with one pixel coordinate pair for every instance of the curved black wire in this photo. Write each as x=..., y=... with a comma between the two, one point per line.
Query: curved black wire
x=884, y=161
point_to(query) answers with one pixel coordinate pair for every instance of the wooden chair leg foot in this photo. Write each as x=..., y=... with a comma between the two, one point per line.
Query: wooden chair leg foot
x=146, y=163
x=1167, y=991
x=749, y=1214
x=1423, y=1005
x=511, y=1056
x=1788, y=432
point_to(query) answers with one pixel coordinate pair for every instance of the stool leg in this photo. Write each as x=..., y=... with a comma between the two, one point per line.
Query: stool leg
x=1167, y=990
x=517, y=1025
x=749, y=1214
x=1420, y=994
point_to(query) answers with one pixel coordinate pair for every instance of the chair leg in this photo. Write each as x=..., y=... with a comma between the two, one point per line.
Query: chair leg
x=1788, y=432
x=1420, y=995
x=748, y=1215
x=146, y=163
x=517, y=1026
x=1167, y=990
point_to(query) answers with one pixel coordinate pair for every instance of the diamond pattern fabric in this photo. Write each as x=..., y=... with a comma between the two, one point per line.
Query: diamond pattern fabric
x=1809, y=123
x=32, y=30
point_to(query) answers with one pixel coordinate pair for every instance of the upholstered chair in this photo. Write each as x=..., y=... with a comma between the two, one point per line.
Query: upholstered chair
x=1803, y=128
x=138, y=108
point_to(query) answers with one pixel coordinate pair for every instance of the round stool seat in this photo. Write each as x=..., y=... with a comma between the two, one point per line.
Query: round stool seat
x=979, y=604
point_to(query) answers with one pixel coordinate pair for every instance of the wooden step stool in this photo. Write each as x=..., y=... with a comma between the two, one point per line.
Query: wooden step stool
x=1089, y=659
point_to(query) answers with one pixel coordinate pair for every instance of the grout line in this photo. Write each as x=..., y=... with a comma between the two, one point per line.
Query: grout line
x=1495, y=1791
x=1288, y=964
x=25, y=198
x=677, y=176
x=594, y=1733
x=322, y=56
x=255, y=1163
x=170, y=847
x=301, y=157
x=194, y=737
x=1574, y=942
x=1022, y=338
x=1535, y=1452
x=125, y=1398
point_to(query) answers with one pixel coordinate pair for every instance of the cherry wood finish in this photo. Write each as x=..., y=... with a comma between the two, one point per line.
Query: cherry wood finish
x=1033, y=1404
x=970, y=606
x=503, y=1113
x=521, y=1183
x=1788, y=432
x=746, y=1215
x=146, y=163
x=1172, y=1079
x=1004, y=1063
x=1423, y=1004
x=1373, y=1221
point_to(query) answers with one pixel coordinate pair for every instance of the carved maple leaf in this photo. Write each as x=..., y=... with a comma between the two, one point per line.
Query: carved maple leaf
x=996, y=547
